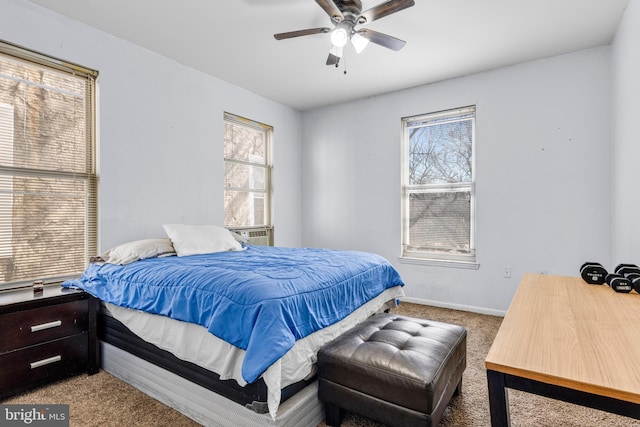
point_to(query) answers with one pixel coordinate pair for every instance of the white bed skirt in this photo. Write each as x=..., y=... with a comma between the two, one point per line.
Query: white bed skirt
x=203, y=405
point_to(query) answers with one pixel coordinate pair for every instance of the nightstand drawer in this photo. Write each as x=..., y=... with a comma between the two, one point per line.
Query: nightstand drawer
x=30, y=327
x=23, y=369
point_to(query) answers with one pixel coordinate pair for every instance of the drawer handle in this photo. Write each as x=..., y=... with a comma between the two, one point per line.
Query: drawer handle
x=44, y=362
x=43, y=326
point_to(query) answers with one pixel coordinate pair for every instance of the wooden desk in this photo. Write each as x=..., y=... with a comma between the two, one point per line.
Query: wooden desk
x=568, y=340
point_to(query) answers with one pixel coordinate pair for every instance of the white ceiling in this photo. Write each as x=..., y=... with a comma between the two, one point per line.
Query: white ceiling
x=233, y=40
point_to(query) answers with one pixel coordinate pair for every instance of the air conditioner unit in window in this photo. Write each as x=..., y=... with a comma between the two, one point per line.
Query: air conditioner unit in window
x=262, y=236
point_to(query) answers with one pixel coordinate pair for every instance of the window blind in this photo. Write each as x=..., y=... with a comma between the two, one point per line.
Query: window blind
x=48, y=180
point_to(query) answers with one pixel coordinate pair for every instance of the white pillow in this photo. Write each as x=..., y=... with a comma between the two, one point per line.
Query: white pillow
x=200, y=239
x=137, y=250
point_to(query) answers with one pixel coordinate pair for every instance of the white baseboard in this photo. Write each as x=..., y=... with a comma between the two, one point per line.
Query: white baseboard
x=470, y=308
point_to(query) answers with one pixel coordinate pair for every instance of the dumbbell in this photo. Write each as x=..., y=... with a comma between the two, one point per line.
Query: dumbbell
x=632, y=273
x=593, y=273
x=634, y=278
x=618, y=283
x=624, y=269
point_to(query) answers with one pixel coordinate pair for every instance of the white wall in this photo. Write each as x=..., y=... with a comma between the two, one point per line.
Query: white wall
x=543, y=175
x=626, y=137
x=161, y=157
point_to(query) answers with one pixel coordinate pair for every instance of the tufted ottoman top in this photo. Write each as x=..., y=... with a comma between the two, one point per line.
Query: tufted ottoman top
x=399, y=359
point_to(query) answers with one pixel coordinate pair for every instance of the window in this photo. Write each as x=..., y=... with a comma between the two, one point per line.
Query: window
x=48, y=181
x=438, y=186
x=247, y=173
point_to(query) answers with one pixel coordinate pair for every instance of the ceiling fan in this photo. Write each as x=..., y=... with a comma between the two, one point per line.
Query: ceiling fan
x=345, y=16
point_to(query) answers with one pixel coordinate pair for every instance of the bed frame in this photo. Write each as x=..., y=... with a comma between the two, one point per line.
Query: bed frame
x=203, y=405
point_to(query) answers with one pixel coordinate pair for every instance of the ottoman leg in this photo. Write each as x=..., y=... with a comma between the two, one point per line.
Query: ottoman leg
x=458, y=389
x=333, y=415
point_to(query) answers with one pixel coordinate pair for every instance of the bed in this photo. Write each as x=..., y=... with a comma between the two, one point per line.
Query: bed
x=237, y=324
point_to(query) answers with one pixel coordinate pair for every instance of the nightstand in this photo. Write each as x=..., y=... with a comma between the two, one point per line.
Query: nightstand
x=45, y=337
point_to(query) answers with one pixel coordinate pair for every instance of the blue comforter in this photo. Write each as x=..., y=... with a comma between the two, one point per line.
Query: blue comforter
x=261, y=300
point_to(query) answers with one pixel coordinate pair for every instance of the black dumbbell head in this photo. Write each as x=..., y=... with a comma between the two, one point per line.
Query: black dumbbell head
x=589, y=263
x=618, y=283
x=593, y=273
x=626, y=269
x=634, y=278
x=619, y=266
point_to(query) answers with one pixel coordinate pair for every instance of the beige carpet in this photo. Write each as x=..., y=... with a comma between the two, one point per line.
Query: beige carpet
x=102, y=400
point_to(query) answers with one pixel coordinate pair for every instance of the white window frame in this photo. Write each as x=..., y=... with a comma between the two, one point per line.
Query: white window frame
x=427, y=257
x=266, y=165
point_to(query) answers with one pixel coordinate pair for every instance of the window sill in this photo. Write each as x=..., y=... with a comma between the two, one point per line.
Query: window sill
x=467, y=265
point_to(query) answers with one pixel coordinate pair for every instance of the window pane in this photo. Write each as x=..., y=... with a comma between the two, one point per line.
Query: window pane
x=440, y=222
x=47, y=235
x=441, y=153
x=243, y=208
x=241, y=176
x=244, y=143
x=49, y=118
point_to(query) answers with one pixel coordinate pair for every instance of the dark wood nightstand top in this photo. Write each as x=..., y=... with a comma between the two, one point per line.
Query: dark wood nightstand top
x=24, y=298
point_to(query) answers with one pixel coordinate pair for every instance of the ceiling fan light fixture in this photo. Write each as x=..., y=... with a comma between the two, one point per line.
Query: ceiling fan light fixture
x=359, y=42
x=336, y=51
x=339, y=36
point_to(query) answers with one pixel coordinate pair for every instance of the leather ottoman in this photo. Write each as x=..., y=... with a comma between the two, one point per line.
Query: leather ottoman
x=397, y=370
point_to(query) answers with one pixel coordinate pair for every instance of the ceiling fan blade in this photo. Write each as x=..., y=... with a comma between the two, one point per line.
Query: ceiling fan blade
x=385, y=9
x=299, y=33
x=382, y=39
x=332, y=10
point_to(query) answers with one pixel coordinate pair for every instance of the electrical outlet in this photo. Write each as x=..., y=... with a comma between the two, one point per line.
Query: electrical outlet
x=506, y=272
